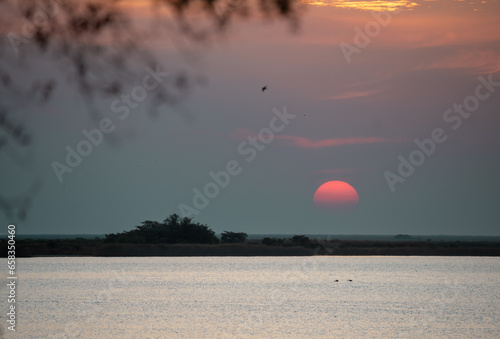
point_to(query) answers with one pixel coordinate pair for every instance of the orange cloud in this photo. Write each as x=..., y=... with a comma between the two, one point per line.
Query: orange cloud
x=316, y=144
x=364, y=5
x=438, y=30
x=484, y=62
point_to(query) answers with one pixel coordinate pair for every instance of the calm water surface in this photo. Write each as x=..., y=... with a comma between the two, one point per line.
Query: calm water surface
x=214, y=297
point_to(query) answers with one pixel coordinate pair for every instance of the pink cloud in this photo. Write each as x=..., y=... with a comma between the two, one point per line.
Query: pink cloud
x=316, y=144
x=485, y=61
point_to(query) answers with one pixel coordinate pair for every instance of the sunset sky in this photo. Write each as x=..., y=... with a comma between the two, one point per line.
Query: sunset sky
x=356, y=115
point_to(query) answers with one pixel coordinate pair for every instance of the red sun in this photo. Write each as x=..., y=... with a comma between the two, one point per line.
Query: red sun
x=336, y=196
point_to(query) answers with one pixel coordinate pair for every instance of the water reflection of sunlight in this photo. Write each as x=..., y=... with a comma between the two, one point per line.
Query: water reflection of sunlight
x=365, y=5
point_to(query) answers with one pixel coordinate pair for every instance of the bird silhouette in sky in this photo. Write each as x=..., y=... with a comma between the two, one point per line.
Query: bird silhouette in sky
x=264, y=88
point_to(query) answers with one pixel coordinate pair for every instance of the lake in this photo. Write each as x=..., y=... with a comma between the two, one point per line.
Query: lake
x=226, y=297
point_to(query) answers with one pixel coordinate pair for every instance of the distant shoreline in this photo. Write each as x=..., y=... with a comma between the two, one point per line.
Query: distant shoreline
x=98, y=248
x=361, y=237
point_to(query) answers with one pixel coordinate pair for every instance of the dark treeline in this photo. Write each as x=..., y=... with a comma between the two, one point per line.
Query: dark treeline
x=174, y=230
x=177, y=236
x=260, y=247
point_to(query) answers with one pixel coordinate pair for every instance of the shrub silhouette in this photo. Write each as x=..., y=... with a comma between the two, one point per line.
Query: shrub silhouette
x=301, y=240
x=173, y=230
x=272, y=241
x=233, y=237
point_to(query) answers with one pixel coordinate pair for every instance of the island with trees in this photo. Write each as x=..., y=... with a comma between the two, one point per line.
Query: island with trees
x=178, y=236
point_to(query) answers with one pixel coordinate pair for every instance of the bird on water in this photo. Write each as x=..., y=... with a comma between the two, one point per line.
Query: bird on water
x=264, y=88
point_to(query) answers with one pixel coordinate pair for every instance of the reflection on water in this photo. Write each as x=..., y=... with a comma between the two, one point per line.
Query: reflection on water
x=259, y=297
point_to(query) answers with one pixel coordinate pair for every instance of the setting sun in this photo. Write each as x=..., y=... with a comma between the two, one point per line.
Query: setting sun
x=336, y=196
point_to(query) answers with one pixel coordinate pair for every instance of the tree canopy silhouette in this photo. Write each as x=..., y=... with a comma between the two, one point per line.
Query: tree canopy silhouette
x=233, y=237
x=173, y=230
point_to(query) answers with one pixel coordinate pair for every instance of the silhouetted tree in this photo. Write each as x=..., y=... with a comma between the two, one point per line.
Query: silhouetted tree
x=173, y=230
x=233, y=237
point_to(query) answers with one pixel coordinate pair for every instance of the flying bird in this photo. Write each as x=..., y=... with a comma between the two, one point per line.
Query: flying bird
x=264, y=88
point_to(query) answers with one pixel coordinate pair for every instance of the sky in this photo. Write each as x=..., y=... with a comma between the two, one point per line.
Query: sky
x=350, y=96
